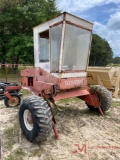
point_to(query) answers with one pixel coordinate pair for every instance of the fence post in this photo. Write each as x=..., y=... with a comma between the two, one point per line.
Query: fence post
x=6, y=72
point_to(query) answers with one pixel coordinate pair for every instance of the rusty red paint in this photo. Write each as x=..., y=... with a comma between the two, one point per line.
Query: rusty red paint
x=100, y=110
x=79, y=26
x=45, y=84
x=53, y=117
x=56, y=24
x=8, y=88
x=91, y=99
x=56, y=133
x=7, y=94
x=69, y=83
x=71, y=93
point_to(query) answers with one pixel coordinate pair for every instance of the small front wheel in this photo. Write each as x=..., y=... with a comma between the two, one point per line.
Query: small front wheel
x=14, y=102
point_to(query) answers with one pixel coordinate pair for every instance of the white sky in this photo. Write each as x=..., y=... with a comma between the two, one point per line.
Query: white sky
x=105, y=14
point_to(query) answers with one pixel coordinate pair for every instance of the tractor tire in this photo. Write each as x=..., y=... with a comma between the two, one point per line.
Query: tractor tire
x=104, y=97
x=35, y=118
x=10, y=104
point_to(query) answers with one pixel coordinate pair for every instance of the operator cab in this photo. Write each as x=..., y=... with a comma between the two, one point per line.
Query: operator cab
x=62, y=46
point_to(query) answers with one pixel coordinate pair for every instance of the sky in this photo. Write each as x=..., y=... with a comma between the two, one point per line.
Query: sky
x=105, y=14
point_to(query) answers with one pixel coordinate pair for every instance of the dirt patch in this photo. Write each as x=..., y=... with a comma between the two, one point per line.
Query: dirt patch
x=84, y=135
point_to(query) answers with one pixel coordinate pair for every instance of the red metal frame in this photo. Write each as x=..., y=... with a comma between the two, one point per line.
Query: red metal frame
x=9, y=88
x=44, y=83
x=54, y=121
x=48, y=86
x=92, y=100
x=7, y=94
x=71, y=93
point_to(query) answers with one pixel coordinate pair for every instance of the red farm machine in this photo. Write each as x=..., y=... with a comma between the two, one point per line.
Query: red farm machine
x=61, y=56
x=10, y=93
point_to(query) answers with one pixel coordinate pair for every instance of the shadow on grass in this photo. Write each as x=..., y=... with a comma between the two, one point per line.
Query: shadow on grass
x=74, y=111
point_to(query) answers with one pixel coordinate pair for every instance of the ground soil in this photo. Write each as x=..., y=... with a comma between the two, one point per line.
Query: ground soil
x=84, y=135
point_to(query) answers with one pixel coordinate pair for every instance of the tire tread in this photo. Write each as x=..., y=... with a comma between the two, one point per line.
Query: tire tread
x=41, y=110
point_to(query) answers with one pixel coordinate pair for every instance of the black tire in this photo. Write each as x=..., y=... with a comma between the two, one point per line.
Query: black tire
x=10, y=104
x=40, y=124
x=104, y=98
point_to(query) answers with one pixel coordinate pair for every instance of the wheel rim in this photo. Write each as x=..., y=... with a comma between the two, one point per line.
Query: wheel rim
x=14, y=102
x=28, y=120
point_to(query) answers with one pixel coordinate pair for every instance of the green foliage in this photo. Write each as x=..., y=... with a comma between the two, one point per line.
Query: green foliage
x=4, y=4
x=115, y=104
x=116, y=60
x=19, y=153
x=11, y=136
x=17, y=18
x=101, y=53
x=19, y=48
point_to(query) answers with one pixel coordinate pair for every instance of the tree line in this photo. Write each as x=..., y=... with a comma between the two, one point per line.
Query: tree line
x=116, y=60
x=18, y=17
x=101, y=53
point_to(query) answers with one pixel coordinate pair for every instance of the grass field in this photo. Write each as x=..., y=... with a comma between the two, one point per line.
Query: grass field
x=76, y=124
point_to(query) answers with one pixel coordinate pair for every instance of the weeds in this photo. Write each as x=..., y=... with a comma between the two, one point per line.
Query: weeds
x=115, y=104
x=11, y=136
x=16, y=154
x=25, y=93
x=68, y=100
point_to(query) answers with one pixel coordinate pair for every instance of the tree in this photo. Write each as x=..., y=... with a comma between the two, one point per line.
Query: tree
x=101, y=53
x=116, y=60
x=17, y=18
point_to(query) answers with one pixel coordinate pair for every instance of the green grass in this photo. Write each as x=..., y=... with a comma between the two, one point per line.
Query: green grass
x=17, y=154
x=11, y=136
x=69, y=100
x=10, y=139
x=67, y=108
x=10, y=75
x=25, y=93
x=9, y=72
x=115, y=104
x=37, y=152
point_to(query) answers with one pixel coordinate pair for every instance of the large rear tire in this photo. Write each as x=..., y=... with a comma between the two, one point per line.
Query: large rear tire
x=35, y=118
x=104, y=97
